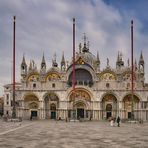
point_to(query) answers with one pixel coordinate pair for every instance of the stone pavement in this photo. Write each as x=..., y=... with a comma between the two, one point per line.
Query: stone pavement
x=60, y=134
x=6, y=126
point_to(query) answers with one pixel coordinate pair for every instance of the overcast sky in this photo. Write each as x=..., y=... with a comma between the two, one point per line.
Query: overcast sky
x=46, y=26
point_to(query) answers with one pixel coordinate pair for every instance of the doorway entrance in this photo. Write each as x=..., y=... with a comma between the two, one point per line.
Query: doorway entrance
x=129, y=115
x=53, y=115
x=108, y=114
x=34, y=114
x=80, y=113
x=108, y=110
x=53, y=111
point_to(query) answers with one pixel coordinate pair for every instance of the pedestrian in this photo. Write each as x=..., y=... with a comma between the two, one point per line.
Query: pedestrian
x=31, y=117
x=111, y=122
x=118, y=121
x=66, y=119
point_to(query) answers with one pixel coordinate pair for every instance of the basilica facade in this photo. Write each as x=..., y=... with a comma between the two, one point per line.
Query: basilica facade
x=47, y=93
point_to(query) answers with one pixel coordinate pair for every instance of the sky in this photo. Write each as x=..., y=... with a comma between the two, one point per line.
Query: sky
x=46, y=27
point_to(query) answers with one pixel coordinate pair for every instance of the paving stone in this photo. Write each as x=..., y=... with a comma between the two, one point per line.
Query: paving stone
x=51, y=134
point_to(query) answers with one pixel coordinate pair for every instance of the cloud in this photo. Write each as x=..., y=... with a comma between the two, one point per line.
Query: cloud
x=46, y=26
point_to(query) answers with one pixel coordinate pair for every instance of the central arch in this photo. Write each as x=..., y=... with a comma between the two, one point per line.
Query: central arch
x=51, y=104
x=79, y=104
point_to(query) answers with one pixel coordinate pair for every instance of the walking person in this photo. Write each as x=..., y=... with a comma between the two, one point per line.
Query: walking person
x=118, y=121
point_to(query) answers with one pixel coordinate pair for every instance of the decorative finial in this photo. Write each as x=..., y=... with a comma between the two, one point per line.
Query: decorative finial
x=14, y=18
x=80, y=48
x=88, y=44
x=128, y=62
x=131, y=22
x=84, y=38
x=54, y=63
x=55, y=57
x=107, y=62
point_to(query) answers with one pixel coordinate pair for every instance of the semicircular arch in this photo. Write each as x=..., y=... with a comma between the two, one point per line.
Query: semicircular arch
x=30, y=97
x=108, y=75
x=111, y=94
x=52, y=76
x=79, y=94
x=33, y=76
x=51, y=96
x=129, y=95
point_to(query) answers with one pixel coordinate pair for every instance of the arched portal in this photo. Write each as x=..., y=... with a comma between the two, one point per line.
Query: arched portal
x=79, y=104
x=31, y=105
x=53, y=110
x=51, y=103
x=109, y=106
x=127, y=105
x=80, y=109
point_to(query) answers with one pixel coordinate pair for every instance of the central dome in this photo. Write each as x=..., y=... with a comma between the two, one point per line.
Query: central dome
x=88, y=57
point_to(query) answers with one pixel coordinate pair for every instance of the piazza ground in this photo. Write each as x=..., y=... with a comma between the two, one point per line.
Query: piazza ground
x=61, y=134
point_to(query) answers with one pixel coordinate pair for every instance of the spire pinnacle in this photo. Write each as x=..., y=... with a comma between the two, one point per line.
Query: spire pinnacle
x=43, y=63
x=128, y=62
x=135, y=64
x=118, y=57
x=43, y=59
x=98, y=59
x=23, y=61
x=80, y=48
x=54, y=63
x=85, y=49
x=63, y=59
x=30, y=66
x=141, y=57
x=88, y=45
x=84, y=38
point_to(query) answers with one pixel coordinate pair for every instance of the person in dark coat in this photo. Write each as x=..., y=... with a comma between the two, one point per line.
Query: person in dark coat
x=118, y=121
x=31, y=117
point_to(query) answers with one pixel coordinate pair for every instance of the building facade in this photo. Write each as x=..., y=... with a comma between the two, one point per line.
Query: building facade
x=47, y=93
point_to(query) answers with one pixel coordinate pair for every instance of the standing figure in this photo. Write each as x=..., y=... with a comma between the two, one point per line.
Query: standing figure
x=112, y=122
x=118, y=121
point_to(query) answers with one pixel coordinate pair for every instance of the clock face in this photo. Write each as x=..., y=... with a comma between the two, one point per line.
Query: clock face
x=108, y=77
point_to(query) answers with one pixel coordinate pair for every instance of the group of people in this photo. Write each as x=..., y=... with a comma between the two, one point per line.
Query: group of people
x=113, y=120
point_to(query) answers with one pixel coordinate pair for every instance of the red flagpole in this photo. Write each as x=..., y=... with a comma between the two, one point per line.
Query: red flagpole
x=132, y=80
x=14, y=107
x=73, y=74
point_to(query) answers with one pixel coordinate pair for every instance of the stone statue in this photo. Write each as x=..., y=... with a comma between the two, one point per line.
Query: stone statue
x=107, y=62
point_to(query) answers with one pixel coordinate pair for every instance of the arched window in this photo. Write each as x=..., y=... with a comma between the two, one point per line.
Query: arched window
x=52, y=107
x=83, y=77
x=108, y=107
